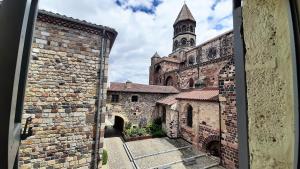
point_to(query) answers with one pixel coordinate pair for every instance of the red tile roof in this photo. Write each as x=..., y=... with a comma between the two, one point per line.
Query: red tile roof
x=141, y=88
x=206, y=94
x=168, y=100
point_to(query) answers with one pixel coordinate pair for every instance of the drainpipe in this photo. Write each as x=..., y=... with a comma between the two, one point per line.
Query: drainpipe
x=241, y=86
x=99, y=102
x=220, y=129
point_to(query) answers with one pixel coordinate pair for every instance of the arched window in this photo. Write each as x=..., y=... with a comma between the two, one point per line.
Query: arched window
x=183, y=41
x=184, y=28
x=191, y=28
x=189, y=117
x=176, y=44
x=177, y=30
x=169, y=81
x=191, y=83
x=157, y=69
x=191, y=60
x=192, y=42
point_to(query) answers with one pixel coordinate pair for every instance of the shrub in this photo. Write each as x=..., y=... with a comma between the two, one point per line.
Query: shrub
x=133, y=132
x=104, y=157
x=155, y=128
x=159, y=133
x=128, y=125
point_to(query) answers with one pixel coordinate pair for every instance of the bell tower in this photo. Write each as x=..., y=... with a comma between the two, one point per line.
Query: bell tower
x=184, y=29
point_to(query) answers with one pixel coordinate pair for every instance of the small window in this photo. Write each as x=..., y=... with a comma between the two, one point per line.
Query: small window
x=191, y=60
x=183, y=41
x=191, y=83
x=191, y=28
x=134, y=99
x=176, y=44
x=114, y=98
x=183, y=28
x=192, y=42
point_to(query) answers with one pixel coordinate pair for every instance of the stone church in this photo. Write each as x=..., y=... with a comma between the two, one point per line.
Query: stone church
x=204, y=112
x=198, y=101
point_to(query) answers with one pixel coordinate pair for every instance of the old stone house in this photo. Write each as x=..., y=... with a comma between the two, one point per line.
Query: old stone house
x=193, y=114
x=134, y=103
x=66, y=92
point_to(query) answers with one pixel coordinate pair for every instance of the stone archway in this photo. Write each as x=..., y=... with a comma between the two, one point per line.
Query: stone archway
x=119, y=123
x=211, y=145
x=115, y=125
x=169, y=81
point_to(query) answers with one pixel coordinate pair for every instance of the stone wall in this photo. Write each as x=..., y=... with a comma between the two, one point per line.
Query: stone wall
x=210, y=57
x=157, y=76
x=62, y=95
x=171, y=124
x=227, y=98
x=206, y=134
x=269, y=78
x=205, y=121
x=134, y=112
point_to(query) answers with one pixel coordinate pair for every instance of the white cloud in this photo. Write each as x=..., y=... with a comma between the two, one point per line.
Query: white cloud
x=141, y=34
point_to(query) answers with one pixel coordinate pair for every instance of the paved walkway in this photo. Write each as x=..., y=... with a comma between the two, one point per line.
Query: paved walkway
x=145, y=153
x=117, y=157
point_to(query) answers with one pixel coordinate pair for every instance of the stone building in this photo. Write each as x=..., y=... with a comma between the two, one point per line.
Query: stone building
x=188, y=63
x=66, y=93
x=134, y=103
x=194, y=115
x=208, y=67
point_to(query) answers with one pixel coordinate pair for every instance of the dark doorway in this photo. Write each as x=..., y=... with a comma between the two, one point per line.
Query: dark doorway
x=169, y=81
x=190, y=116
x=119, y=123
x=213, y=148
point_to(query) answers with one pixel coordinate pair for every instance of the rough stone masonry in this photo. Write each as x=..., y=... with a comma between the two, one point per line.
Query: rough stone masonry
x=66, y=89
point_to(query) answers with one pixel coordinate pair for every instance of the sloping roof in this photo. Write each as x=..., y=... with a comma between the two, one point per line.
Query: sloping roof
x=141, y=88
x=184, y=14
x=206, y=94
x=168, y=100
x=156, y=55
x=71, y=19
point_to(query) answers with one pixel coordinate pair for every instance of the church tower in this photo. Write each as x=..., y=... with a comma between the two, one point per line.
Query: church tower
x=184, y=29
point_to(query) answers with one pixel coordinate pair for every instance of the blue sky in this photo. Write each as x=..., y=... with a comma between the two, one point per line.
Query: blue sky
x=144, y=27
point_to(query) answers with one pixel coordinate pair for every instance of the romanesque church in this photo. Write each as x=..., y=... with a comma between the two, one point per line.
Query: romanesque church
x=192, y=90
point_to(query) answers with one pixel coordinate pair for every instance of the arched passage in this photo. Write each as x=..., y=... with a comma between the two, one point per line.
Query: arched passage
x=213, y=148
x=119, y=123
x=169, y=81
x=212, y=145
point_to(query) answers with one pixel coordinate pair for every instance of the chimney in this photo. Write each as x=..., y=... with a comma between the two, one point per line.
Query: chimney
x=128, y=84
